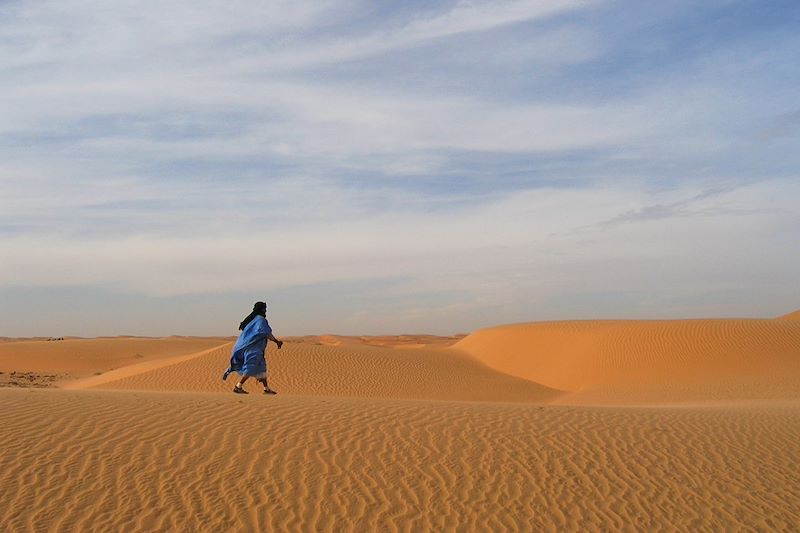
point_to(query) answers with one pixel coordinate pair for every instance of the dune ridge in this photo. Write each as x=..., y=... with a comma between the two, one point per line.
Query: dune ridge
x=83, y=357
x=650, y=360
x=309, y=368
x=137, y=369
x=393, y=341
x=795, y=315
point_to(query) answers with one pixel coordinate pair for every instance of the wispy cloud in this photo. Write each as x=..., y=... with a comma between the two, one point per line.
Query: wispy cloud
x=467, y=162
x=785, y=124
x=696, y=204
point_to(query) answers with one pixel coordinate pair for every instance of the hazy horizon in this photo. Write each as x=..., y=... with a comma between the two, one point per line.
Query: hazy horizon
x=386, y=169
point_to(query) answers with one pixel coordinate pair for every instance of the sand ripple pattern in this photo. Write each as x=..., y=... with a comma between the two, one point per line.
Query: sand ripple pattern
x=144, y=461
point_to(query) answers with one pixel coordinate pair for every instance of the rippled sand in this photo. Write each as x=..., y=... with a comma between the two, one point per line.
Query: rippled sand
x=422, y=435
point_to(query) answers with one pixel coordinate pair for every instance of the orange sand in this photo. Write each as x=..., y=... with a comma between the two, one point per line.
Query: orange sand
x=795, y=315
x=309, y=368
x=80, y=357
x=415, y=433
x=627, y=361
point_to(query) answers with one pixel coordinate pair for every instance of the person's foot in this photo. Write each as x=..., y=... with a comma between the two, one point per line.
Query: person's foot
x=226, y=374
x=239, y=390
x=269, y=391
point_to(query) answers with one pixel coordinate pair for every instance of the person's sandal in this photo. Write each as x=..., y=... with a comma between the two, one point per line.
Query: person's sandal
x=269, y=391
x=239, y=390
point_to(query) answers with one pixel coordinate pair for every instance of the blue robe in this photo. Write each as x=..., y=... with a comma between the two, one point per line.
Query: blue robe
x=248, y=352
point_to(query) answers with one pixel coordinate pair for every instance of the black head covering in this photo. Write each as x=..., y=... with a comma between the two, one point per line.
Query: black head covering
x=260, y=308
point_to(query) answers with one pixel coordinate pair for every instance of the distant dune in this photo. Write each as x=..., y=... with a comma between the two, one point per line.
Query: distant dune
x=392, y=341
x=622, y=361
x=42, y=362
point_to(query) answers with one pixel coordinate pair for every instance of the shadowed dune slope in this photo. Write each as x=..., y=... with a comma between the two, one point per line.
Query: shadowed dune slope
x=309, y=368
x=658, y=360
x=145, y=461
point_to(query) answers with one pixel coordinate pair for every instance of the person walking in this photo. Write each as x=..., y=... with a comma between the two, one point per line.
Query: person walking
x=248, y=357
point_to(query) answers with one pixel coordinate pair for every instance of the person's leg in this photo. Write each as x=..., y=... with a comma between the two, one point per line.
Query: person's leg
x=264, y=384
x=241, y=382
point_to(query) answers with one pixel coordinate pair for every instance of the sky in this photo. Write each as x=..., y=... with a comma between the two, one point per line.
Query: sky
x=394, y=167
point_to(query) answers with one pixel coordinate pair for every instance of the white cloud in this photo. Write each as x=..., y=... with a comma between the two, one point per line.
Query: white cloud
x=176, y=148
x=124, y=62
x=557, y=234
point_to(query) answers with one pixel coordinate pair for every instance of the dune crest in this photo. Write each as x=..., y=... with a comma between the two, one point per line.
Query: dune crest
x=353, y=370
x=40, y=362
x=390, y=341
x=794, y=315
x=652, y=360
x=136, y=369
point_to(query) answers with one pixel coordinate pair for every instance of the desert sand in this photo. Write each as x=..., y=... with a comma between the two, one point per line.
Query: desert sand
x=40, y=362
x=627, y=361
x=578, y=426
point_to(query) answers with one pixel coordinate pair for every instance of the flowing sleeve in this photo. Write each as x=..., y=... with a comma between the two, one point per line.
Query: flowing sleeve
x=263, y=328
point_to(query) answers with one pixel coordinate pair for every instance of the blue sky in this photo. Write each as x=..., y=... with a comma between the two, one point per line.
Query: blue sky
x=394, y=167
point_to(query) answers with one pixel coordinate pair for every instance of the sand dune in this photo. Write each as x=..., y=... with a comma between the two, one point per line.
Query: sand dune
x=42, y=362
x=791, y=316
x=355, y=370
x=144, y=461
x=136, y=369
x=86, y=356
x=409, y=433
x=393, y=341
x=648, y=361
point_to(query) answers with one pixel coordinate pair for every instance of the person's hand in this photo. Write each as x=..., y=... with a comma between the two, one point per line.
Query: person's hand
x=280, y=344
